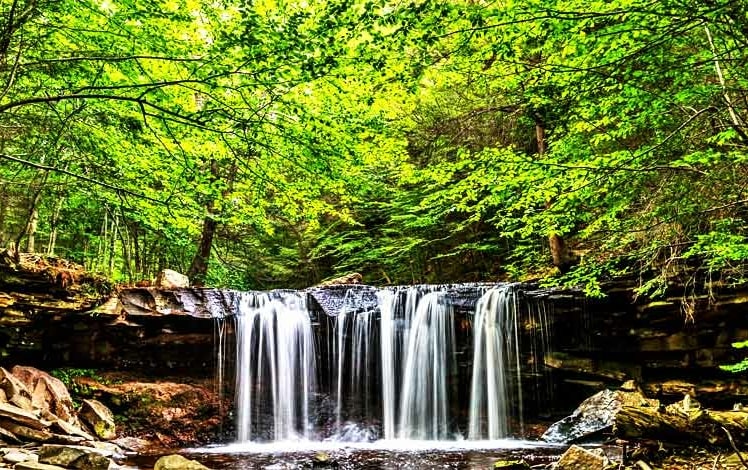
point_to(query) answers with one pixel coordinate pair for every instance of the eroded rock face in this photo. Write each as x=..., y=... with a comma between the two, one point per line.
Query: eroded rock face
x=168, y=412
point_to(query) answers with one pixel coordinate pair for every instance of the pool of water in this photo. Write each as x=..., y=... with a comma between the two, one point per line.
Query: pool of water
x=375, y=455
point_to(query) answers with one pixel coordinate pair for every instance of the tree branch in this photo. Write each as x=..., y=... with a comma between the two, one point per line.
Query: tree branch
x=117, y=189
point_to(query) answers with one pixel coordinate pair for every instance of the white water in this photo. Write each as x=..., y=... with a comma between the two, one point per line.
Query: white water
x=353, y=328
x=387, y=301
x=409, y=383
x=275, y=365
x=429, y=354
x=417, y=358
x=495, y=352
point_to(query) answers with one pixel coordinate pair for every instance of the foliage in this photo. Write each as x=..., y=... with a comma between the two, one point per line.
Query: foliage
x=68, y=376
x=263, y=144
x=741, y=366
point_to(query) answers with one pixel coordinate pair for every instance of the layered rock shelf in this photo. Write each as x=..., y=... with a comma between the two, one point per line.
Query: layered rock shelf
x=56, y=316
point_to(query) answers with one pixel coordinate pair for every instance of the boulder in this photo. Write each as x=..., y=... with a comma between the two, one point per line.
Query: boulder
x=100, y=418
x=72, y=430
x=578, y=458
x=596, y=415
x=12, y=387
x=79, y=457
x=351, y=278
x=26, y=433
x=168, y=279
x=61, y=455
x=322, y=459
x=682, y=422
x=178, y=462
x=48, y=393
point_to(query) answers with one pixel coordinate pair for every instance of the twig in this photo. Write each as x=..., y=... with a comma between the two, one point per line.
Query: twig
x=734, y=447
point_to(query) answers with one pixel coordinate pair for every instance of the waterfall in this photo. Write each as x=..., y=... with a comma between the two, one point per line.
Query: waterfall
x=402, y=363
x=429, y=351
x=496, y=351
x=417, y=351
x=275, y=366
x=388, y=348
x=354, y=353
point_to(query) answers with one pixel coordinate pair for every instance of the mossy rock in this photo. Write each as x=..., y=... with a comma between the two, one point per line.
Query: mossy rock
x=178, y=462
x=511, y=465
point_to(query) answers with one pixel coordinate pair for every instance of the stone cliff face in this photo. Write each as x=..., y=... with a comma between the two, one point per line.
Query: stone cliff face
x=594, y=342
x=670, y=346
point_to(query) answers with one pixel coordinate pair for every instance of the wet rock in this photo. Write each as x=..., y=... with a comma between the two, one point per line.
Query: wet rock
x=169, y=279
x=100, y=418
x=79, y=457
x=578, y=458
x=511, y=465
x=593, y=367
x=133, y=444
x=178, y=462
x=595, y=415
x=322, y=460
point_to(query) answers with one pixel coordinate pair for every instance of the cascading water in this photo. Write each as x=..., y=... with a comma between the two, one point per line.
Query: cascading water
x=275, y=366
x=355, y=344
x=495, y=352
x=429, y=354
x=397, y=364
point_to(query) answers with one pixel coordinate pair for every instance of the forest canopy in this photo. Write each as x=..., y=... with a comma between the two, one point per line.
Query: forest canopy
x=263, y=144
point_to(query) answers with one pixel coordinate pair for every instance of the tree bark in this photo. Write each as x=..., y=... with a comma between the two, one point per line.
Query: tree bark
x=54, y=222
x=560, y=253
x=199, y=267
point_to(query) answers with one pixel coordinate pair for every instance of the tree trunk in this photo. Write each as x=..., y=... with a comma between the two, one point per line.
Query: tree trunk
x=560, y=254
x=31, y=230
x=3, y=214
x=199, y=266
x=54, y=222
x=30, y=226
x=112, y=244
